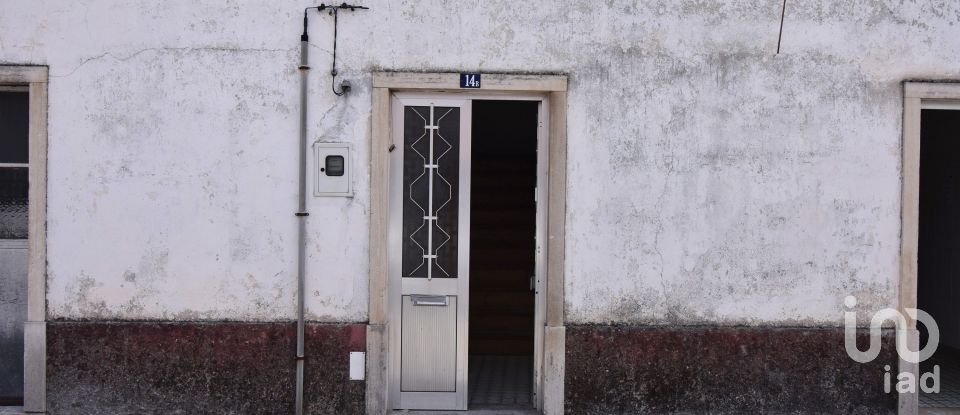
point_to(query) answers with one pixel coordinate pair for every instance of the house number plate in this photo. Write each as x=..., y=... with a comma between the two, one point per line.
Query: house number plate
x=470, y=80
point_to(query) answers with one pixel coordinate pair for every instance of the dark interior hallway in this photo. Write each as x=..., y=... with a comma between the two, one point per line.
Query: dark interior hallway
x=938, y=268
x=503, y=224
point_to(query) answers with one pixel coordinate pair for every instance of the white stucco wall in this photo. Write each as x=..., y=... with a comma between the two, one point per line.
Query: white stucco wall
x=710, y=180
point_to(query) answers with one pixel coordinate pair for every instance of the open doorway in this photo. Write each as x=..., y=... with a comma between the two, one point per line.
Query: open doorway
x=503, y=251
x=419, y=326
x=938, y=262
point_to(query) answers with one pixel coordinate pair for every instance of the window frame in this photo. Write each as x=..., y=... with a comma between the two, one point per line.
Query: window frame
x=8, y=165
x=34, y=78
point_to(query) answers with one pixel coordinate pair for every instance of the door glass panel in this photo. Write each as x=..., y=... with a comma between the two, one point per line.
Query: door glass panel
x=14, y=106
x=13, y=202
x=431, y=169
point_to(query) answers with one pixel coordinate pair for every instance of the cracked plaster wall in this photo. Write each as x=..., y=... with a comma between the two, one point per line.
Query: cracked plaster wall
x=710, y=181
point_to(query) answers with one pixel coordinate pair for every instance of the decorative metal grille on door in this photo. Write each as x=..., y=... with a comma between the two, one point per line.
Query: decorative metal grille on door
x=431, y=169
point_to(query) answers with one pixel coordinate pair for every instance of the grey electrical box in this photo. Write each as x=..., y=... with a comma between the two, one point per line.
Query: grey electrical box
x=333, y=168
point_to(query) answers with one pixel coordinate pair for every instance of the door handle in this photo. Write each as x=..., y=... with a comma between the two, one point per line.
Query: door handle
x=430, y=300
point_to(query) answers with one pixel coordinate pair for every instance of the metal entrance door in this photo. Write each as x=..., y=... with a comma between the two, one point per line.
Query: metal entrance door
x=429, y=249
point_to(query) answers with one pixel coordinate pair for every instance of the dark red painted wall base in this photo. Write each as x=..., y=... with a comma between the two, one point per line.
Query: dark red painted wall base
x=640, y=370
x=198, y=368
x=248, y=368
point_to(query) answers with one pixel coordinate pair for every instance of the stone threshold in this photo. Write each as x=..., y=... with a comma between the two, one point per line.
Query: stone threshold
x=469, y=412
x=938, y=411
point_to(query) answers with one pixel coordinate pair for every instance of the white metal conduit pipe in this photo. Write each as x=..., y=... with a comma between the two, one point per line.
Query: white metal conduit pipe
x=301, y=213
